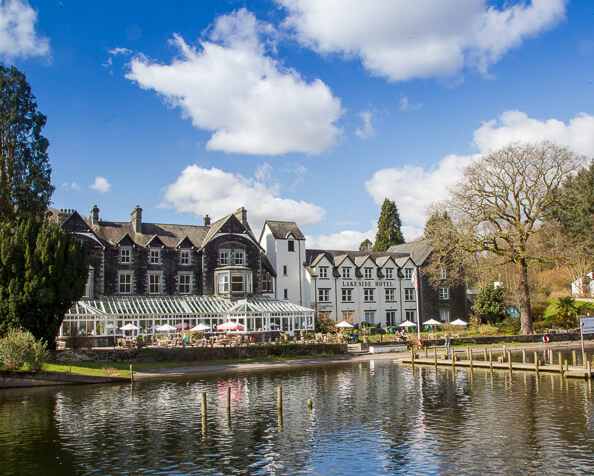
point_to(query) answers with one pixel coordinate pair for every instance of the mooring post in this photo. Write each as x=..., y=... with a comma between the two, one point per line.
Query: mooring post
x=523, y=356
x=309, y=404
x=203, y=396
x=585, y=360
x=435, y=358
x=435, y=352
x=470, y=358
x=485, y=354
x=588, y=370
x=560, y=365
x=279, y=392
x=566, y=367
x=491, y=359
x=453, y=359
x=228, y=398
x=468, y=354
x=412, y=356
x=551, y=357
x=535, y=362
x=426, y=350
x=560, y=359
x=510, y=360
x=131, y=374
x=573, y=358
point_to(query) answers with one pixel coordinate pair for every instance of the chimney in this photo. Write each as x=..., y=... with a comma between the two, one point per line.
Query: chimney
x=136, y=219
x=206, y=220
x=241, y=215
x=95, y=216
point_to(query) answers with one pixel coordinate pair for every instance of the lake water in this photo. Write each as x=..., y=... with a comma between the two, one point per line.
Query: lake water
x=368, y=418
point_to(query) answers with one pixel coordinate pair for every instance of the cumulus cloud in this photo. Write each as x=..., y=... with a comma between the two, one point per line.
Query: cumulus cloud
x=18, y=37
x=101, y=185
x=415, y=188
x=366, y=130
x=406, y=39
x=343, y=240
x=231, y=86
x=217, y=193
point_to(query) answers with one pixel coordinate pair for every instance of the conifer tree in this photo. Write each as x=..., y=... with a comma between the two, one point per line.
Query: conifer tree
x=366, y=245
x=43, y=270
x=388, y=227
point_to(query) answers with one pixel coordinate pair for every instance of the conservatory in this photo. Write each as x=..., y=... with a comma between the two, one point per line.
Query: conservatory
x=145, y=315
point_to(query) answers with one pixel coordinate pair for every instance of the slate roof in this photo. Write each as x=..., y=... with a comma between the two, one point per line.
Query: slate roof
x=419, y=250
x=282, y=229
x=338, y=256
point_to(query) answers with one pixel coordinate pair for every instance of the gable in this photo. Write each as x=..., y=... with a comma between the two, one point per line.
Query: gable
x=155, y=241
x=185, y=243
x=126, y=240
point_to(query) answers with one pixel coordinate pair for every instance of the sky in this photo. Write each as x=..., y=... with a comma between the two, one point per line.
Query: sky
x=300, y=110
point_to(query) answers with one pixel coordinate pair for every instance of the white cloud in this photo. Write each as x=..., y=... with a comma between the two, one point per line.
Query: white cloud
x=217, y=193
x=70, y=186
x=406, y=105
x=366, y=130
x=252, y=103
x=101, y=185
x=406, y=39
x=263, y=172
x=343, y=240
x=415, y=188
x=17, y=31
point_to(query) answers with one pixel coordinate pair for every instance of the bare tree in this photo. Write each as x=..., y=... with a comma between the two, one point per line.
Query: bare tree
x=500, y=203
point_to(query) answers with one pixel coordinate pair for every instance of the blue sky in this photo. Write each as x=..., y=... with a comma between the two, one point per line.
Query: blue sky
x=296, y=109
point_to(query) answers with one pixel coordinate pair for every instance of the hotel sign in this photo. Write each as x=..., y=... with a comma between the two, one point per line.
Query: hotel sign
x=367, y=284
x=587, y=325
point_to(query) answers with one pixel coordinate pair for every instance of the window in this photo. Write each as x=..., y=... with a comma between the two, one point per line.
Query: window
x=409, y=294
x=368, y=273
x=223, y=283
x=185, y=258
x=389, y=272
x=408, y=273
x=324, y=272
x=390, y=294
x=125, y=255
x=444, y=273
x=291, y=245
x=237, y=283
x=239, y=258
x=444, y=315
x=223, y=257
x=154, y=283
x=346, y=272
x=285, y=270
x=410, y=315
x=370, y=318
x=390, y=318
x=368, y=295
x=286, y=294
x=125, y=282
x=444, y=293
x=323, y=295
x=267, y=286
x=348, y=316
x=347, y=295
x=184, y=283
x=154, y=256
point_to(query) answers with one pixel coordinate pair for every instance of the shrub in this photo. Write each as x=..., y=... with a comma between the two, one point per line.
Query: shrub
x=510, y=326
x=19, y=348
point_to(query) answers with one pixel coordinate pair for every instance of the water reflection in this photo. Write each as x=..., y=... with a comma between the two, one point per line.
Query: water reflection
x=375, y=418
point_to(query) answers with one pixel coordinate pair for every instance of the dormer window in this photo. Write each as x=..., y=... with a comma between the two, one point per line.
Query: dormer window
x=346, y=272
x=408, y=273
x=324, y=272
x=389, y=273
x=154, y=256
x=368, y=273
x=185, y=258
x=291, y=245
x=125, y=255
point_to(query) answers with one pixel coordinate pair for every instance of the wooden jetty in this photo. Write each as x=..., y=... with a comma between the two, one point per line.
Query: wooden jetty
x=502, y=362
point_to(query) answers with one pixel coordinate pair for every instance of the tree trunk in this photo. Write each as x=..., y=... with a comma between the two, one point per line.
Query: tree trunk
x=524, y=299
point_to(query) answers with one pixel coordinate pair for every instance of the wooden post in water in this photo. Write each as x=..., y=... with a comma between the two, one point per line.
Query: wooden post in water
x=573, y=358
x=453, y=360
x=279, y=393
x=131, y=374
x=435, y=358
x=560, y=359
x=203, y=395
x=510, y=361
x=566, y=366
x=560, y=365
x=551, y=357
x=426, y=350
x=588, y=370
x=485, y=354
x=535, y=362
x=309, y=404
x=523, y=356
x=470, y=355
x=228, y=399
x=491, y=360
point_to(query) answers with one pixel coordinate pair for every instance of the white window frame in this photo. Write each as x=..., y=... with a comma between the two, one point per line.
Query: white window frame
x=157, y=279
x=389, y=273
x=131, y=284
x=185, y=257
x=154, y=255
x=368, y=294
x=390, y=294
x=368, y=273
x=390, y=318
x=235, y=281
x=444, y=315
x=444, y=293
x=126, y=250
x=323, y=272
x=410, y=315
x=409, y=295
x=323, y=294
x=267, y=283
x=239, y=257
x=346, y=272
x=224, y=256
x=444, y=273
x=408, y=272
x=347, y=294
x=189, y=284
x=223, y=283
x=369, y=317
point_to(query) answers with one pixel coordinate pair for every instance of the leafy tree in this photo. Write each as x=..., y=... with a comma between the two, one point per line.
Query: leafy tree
x=25, y=187
x=43, y=270
x=499, y=205
x=566, y=312
x=388, y=227
x=489, y=305
x=366, y=245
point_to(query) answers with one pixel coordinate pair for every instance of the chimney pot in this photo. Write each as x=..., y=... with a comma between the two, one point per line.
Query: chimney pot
x=206, y=220
x=95, y=216
x=136, y=219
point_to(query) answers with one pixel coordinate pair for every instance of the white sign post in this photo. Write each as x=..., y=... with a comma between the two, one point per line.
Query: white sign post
x=586, y=327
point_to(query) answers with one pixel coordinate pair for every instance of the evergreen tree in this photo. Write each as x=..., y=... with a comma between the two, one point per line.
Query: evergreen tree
x=388, y=227
x=25, y=187
x=43, y=270
x=366, y=245
x=488, y=304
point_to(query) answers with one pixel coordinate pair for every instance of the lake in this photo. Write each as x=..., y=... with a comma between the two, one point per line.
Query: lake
x=373, y=417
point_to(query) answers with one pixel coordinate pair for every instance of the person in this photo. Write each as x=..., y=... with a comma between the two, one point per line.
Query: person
x=446, y=344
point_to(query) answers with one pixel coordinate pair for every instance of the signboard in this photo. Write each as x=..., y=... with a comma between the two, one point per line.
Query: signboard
x=587, y=325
